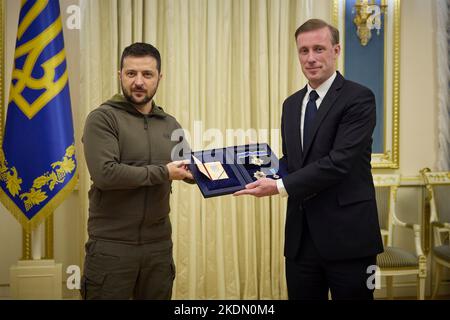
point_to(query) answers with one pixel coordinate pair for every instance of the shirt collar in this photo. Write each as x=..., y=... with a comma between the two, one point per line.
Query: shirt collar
x=324, y=87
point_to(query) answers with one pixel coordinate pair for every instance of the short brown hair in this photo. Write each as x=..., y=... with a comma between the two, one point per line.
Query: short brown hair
x=315, y=24
x=141, y=49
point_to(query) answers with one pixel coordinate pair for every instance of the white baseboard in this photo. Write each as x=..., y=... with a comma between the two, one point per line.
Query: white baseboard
x=5, y=293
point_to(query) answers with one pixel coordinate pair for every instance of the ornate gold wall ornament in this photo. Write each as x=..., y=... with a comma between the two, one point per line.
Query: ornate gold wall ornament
x=367, y=17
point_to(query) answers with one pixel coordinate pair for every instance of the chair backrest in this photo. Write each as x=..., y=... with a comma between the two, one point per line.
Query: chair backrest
x=386, y=186
x=438, y=185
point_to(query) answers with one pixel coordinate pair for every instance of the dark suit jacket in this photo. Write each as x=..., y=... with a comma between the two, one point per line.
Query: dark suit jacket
x=330, y=182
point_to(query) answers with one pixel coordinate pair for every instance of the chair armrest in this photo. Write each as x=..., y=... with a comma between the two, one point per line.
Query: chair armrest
x=400, y=223
x=417, y=233
x=438, y=224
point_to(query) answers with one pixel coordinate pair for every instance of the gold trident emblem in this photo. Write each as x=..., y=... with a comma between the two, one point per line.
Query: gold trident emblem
x=33, y=49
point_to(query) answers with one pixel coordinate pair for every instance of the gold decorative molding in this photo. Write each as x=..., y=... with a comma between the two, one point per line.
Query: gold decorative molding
x=386, y=180
x=49, y=238
x=339, y=23
x=422, y=266
x=335, y=13
x=27, y=253
x=396, y=89
x=426, y=213
x=411, y=181
x=438, y=178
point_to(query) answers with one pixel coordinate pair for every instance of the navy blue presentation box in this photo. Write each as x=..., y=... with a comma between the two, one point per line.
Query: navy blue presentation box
x=239, y=165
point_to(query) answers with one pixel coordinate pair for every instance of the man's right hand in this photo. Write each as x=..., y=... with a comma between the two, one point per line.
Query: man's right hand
x=178, y=170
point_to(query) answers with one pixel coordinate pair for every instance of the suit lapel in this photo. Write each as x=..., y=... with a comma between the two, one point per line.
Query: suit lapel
x=294, y=118
x=324, y=108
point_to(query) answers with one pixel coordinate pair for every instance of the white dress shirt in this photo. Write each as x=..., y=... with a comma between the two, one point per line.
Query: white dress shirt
x=321, y=91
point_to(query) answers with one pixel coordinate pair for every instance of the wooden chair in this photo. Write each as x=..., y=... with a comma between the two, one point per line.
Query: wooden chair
x=438, y=187
x=395, y=261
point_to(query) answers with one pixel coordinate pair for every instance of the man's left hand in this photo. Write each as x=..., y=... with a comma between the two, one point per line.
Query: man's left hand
x=260, y=188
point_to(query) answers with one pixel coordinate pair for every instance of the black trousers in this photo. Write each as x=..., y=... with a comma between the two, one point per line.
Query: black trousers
x=309, y=276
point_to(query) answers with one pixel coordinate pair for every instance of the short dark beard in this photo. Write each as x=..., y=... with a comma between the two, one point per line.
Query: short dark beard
x=130, y=98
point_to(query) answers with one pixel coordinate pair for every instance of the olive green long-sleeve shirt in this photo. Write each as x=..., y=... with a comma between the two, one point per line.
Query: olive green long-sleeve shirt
x=126, y=154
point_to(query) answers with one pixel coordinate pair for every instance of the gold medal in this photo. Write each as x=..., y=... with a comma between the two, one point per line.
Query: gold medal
x=259, y=175
x=256, y=161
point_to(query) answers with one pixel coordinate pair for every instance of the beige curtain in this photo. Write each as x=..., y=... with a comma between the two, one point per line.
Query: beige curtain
x=229, y=64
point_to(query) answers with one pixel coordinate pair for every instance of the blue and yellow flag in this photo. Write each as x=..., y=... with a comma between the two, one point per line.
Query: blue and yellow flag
x=38, y=168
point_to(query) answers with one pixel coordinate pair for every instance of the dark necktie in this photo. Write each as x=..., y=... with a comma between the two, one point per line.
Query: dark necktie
x=310, y=114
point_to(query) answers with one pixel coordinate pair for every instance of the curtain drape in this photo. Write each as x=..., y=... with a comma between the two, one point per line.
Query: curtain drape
x=443, y=83
x=226, y=64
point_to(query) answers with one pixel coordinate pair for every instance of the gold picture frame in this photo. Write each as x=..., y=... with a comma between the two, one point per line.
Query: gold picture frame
x=389, y=157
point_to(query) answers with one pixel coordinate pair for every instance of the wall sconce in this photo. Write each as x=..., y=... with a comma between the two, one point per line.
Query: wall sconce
x=367, y=18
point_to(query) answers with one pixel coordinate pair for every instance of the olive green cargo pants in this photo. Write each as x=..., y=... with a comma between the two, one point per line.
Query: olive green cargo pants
x=120, y=271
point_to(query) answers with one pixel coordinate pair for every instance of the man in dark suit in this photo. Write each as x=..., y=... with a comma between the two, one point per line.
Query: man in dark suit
x=332, y=234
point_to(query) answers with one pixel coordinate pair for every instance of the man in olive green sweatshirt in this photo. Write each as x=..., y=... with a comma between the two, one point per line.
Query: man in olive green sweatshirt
x=128, y=146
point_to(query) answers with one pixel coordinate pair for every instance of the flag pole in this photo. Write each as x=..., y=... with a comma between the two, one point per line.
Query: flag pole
x=26, y=245
x=48, y=253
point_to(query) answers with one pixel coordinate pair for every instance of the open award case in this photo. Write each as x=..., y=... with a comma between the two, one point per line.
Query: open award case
x=224, y=171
